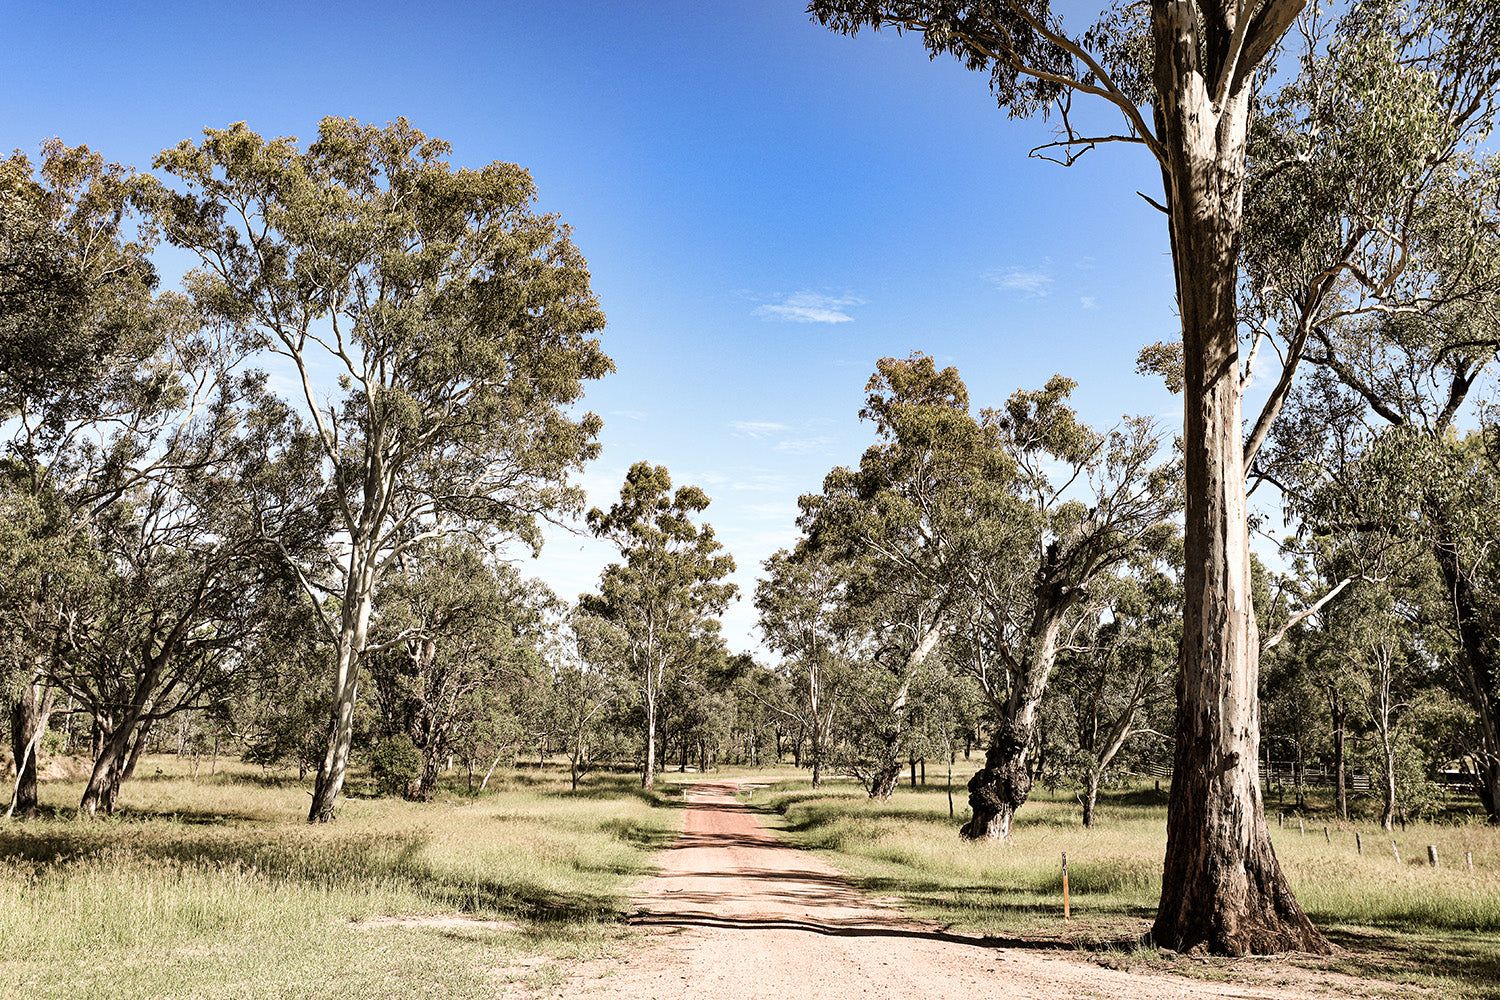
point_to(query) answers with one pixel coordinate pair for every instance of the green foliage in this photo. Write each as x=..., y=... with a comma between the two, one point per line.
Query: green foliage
x=459, y=323
x=396, y=764
x=989, y=37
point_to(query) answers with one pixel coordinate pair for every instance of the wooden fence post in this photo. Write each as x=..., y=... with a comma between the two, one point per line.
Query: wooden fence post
x=1432, y=855
x=1359, y=843
x=1395, y=852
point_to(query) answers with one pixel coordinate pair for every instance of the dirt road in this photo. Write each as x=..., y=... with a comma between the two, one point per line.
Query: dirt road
x=737, y=914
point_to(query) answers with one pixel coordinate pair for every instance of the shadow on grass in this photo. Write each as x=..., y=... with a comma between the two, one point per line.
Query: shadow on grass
x=609, y=787
x=1473, y=961
x=375, y=859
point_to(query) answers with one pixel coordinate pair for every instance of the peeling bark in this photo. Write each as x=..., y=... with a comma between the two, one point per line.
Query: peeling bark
x=1223, y=889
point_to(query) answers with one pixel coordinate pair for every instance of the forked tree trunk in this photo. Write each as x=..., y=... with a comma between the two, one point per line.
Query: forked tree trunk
x=884, y=781
x=1223, y=889
x=103, y=786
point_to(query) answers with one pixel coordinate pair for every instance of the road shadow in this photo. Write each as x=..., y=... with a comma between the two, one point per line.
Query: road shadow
x=864, y=927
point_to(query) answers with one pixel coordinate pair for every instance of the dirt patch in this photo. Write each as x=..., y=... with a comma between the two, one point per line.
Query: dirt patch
x=735, y=913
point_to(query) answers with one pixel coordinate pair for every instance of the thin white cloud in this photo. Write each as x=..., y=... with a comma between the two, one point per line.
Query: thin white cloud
x=1087, y=301
x=757, y=429
x=806, y=446
x=1032, y=282
x=808, y=307
x=629, y=414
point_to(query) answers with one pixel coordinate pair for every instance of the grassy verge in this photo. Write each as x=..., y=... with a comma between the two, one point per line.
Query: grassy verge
x=216, y=888
x=1404, y=923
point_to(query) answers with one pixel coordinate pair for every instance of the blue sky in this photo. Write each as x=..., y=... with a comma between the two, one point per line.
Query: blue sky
x=766, y=207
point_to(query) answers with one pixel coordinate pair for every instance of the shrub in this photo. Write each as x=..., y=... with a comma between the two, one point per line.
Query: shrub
x=395, y=765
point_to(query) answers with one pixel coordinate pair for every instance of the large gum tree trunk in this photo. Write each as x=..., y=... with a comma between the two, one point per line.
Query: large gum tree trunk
x=883, y=783
x=1223, y=889
x=103, y=788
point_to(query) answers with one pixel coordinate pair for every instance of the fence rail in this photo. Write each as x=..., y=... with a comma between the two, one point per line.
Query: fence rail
x=1285, y=774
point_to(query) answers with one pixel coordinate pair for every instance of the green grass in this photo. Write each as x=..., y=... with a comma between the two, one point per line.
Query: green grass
x=216, y=888
x=1407, y=922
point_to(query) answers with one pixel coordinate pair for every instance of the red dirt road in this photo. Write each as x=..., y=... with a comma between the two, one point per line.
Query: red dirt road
x=736, y=913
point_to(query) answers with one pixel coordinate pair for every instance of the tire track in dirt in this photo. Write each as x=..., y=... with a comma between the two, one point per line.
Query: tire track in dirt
x=735, y=913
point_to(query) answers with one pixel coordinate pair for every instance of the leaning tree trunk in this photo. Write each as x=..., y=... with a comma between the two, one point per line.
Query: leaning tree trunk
x=103, y=788
x=137, y=747
x=354, y=625
x=1002, y=785
x=1223, y=889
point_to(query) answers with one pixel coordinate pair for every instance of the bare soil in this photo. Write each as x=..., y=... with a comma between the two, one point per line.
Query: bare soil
x=735, y=913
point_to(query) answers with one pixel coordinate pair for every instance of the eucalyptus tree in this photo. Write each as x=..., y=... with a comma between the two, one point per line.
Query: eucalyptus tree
x=586, y=684
x=909, y=526
x=666, y=593
x=185, y=586
x=805, y=615
x=1184, y=78
x=468, y=627
x=136, y=439
x=1089, y=503
x=961, y=523
x=1419, y=488
x=1371, y=254
x=79, y=323
x=437, y=330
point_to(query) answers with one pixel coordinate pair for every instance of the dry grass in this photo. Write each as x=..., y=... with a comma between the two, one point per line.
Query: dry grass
x=216, y=888
x=1407, y=922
